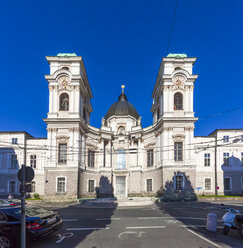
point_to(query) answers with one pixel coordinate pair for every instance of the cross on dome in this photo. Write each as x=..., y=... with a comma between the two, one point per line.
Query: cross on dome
x=123, y=86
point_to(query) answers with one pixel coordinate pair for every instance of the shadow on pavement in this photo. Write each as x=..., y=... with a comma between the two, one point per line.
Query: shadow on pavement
x=178, y=205
x=78, y=223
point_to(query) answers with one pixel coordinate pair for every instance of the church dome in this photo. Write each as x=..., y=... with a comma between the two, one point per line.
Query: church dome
x=122, y=108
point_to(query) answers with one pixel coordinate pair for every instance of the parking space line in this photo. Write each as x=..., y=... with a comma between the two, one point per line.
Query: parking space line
x=151, y=218
x=86, y=228
x=144, y=227
x=70, y=219
x=108, y=219
x=209, y=241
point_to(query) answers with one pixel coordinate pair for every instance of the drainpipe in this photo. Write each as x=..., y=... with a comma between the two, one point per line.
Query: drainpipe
x=215, y=166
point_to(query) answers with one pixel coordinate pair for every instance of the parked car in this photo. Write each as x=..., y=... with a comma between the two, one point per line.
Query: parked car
x=39, y=223
x=9, y=203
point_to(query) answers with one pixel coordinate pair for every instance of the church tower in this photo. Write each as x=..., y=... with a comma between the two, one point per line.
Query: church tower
x=173, y=115
x=69, y=112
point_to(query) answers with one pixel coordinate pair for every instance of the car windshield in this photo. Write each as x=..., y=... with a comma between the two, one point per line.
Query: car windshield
x=32, y=211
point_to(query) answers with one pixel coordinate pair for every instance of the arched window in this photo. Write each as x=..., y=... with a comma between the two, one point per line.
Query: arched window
x=121, y=159
x=178, y=101
x=64, y=102
x=121, y=130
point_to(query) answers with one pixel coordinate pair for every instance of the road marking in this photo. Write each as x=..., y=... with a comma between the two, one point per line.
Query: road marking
x=70, y=219
x=209, y=241
x=144, y=227
x=151, y=218
x=86, y=228
x=108, y=219
x=61, y=237
x=139, y=235
x=193, y=226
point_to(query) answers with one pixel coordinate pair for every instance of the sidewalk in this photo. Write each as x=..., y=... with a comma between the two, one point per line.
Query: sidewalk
x=113, y=202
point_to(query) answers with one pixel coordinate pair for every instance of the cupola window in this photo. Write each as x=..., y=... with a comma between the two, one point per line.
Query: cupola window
x=64, y=102
x=178, y=101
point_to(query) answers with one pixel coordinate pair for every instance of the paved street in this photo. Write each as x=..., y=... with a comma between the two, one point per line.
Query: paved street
x=158, y=225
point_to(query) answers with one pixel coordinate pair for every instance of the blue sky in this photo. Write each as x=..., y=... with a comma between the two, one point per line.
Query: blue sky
x=121, y=42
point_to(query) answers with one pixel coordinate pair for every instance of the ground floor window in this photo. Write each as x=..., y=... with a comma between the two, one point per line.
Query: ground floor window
x=91, y=186
x=12, y=186
x=227, y=183
x=178, y=182
x=149, y=185
x=207, y=183
x=33, y=187
x=61, y=184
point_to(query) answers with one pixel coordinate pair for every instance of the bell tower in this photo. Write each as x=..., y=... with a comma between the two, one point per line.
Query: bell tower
x=69, y=112
x=173, y=91
x=173, y=110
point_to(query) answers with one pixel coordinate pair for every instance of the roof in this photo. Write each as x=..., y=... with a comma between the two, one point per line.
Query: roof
x=226, y=129
x=17, y=132
x=67, y=55
x=176, y=55
x=122, y=108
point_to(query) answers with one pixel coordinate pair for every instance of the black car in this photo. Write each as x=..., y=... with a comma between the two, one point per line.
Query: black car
x=39, y=222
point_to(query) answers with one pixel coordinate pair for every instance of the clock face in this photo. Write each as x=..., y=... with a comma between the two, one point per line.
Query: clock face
x=178, y=82
x=64, y=81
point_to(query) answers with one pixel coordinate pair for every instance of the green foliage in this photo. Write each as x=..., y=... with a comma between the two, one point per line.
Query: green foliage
x=36, y=196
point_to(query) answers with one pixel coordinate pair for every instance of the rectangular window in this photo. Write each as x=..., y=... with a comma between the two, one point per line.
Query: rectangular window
x=33, y=186
x=150, y=158
x=14, y=161
x=207, y=183
x=61, y=182
x=227, y=183
x=62, y=153
x=207, y=159
x=226, y=138
x=12, y=186
x=91, y=186
x=241, y=138
x=178, y=151
x=241, y=182
x=226, y=158
x=91, y=155
x=149, y=185
x=242, y=158
x=121, y=160
x=14, y=141
x=179, y=182
x=33, y=161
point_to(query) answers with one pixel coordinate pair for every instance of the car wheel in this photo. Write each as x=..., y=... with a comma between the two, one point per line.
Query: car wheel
x=4, y=242
x=225, y=230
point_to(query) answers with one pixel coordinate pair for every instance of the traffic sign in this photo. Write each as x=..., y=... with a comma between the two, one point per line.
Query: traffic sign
x=29, y=174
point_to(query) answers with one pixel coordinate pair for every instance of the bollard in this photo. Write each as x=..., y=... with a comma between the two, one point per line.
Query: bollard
x=211, y=222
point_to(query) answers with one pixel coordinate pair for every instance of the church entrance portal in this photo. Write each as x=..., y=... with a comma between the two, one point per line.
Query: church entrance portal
x=120, y=187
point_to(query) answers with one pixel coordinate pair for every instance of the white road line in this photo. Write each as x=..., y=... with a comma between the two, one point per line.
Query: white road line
x=70, y=219
x=108, y=219
x=209, y=241
x=193, y=226
x=151, y=218
x=144, y=227
x=86, y=228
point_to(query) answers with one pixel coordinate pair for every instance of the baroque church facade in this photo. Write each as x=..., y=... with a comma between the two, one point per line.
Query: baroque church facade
x=121, y=158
